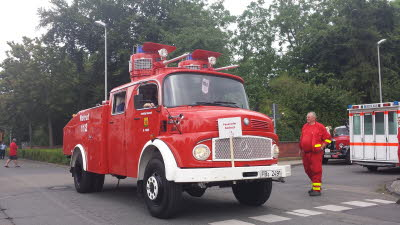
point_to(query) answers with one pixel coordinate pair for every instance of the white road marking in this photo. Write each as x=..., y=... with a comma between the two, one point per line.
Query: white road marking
x=335, y=208
x=231, y=222
x=359, y=203
x=380, y=201
x=297, y=214
x=270, y=218
x=307, y=212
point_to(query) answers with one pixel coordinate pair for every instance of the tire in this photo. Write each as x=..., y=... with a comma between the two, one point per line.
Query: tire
x=372, y=168
x=86, y=182
x=324, y=160
x=98, y=182
x=162, y=197
x=253, y=193
x=196, y=191
x=348, y=161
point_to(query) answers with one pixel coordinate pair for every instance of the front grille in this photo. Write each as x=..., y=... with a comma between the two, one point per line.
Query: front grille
x=143, y=64
x=245, y=148
x=259, y=124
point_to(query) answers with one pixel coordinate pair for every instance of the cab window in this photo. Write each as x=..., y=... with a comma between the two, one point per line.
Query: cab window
x=118, y=103
x=147, y=96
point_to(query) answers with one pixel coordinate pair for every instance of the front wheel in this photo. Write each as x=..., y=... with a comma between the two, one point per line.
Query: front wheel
x=86, y=182
x=162, y=197
x=253, y=193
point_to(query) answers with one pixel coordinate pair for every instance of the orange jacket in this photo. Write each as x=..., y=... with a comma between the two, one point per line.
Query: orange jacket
x=313, y=136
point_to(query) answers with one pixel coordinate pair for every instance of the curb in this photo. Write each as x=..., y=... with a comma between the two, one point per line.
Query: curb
x=388, y=187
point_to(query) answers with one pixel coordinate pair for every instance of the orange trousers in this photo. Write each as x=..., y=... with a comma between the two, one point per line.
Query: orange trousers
x=312, y=162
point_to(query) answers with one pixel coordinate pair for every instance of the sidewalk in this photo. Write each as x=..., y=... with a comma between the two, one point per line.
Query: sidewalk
x=394, y=187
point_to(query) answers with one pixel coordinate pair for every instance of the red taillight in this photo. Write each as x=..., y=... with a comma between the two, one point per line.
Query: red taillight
x=386, y=104
x=356, y=107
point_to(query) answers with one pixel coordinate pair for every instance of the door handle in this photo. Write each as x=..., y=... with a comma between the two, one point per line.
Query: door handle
x=137, y=118
x=111, y=122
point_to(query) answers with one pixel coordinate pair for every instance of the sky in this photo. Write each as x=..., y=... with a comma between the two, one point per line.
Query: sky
x=19, y=18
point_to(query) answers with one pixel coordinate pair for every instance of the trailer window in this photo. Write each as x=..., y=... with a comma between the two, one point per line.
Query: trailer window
x=356, y=124
x=119, y=103
x=368, y=128
x=379, y=123
x=392, y=122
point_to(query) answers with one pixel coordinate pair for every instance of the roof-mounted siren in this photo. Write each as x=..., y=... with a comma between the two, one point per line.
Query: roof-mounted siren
x=147, y=58
x=203, y=60
x=200, y=60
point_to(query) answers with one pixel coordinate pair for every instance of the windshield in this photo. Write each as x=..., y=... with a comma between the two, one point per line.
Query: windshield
x=203, y=89
x=341, y=132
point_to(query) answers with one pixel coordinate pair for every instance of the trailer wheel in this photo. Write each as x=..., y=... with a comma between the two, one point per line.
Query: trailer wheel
x=162, y=197
x=253, y=193
x=372, y=168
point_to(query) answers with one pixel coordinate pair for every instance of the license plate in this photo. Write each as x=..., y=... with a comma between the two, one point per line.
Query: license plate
x=327, y=150
x=270, y=173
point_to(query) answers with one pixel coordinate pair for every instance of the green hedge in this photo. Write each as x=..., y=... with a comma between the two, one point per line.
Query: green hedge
x=44, y=155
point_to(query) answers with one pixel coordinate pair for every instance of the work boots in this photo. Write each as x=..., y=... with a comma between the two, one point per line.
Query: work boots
x=314, y=193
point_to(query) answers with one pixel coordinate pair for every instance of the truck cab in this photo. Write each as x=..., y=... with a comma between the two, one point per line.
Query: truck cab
x=176, y=129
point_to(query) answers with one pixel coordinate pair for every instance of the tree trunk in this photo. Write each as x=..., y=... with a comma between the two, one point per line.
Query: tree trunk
x=30, y=134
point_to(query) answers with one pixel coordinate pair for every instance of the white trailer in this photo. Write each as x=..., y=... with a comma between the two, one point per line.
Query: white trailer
x=373, y=134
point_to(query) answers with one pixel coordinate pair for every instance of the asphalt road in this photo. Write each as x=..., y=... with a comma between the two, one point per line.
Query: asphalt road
x=41, y=194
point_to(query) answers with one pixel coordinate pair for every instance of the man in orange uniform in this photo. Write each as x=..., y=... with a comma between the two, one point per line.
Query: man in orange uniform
x=313, y=140
x=13, y=154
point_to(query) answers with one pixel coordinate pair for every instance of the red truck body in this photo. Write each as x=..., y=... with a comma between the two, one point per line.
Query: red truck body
x=120, y=136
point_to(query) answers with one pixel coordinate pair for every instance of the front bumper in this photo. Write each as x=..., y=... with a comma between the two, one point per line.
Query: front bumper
x=229, y=173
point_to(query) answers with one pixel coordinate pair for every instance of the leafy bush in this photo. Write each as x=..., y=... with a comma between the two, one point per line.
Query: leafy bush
x=45, y=155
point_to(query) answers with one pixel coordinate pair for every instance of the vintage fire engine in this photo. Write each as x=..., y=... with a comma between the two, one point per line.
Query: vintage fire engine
x=176, y=129
x=340, y=146
x=373, y=134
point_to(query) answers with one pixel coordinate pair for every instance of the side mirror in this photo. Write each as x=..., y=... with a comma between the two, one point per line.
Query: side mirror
x=138, y=101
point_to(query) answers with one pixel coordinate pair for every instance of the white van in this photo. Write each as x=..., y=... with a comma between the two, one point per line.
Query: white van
x=373, y=134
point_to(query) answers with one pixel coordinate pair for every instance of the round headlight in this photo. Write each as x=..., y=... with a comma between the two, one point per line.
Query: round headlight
x=341, y=145
x=201, y=152
x=246, y=121
x=275, y=150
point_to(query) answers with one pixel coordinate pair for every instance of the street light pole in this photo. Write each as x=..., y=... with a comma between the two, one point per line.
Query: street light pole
x=100, y=23
x=379, y=70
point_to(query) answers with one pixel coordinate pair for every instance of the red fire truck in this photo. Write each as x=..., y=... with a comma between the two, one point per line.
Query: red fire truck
x=175, y=129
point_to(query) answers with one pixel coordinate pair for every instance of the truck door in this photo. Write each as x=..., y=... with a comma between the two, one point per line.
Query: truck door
x=146, y=115
x=392, y=136
x=369, y=148
x=116, y=134
x=380, y=136
x=357, y=151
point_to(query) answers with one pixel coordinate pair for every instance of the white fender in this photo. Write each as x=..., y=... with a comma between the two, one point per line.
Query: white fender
x=166, y=153
x=83, y=153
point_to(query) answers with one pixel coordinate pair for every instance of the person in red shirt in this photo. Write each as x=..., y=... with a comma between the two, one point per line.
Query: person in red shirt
x=314, y=138
x=13, y=154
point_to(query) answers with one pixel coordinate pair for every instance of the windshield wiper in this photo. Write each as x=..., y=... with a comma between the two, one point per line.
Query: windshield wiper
x=218, y=103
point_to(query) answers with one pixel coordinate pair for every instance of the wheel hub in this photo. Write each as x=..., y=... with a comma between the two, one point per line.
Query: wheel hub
x=152, y=187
